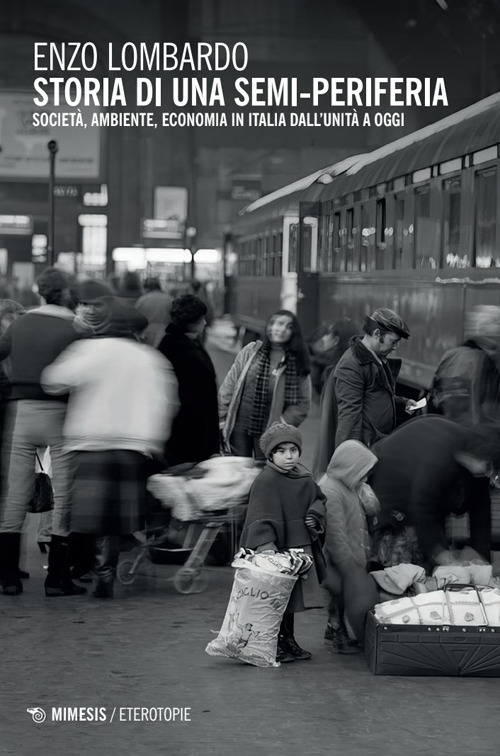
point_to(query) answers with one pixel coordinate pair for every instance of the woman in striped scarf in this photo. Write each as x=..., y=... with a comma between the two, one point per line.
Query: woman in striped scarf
x=269, y=381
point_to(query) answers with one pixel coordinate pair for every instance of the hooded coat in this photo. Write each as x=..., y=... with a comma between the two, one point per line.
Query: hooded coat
x=346, y=534
x=347, y=542
x=277, y=507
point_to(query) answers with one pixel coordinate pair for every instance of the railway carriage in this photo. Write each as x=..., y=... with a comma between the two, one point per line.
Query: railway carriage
x=412, y=226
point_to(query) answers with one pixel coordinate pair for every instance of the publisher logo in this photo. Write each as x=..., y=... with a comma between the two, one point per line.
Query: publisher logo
x=37, y=714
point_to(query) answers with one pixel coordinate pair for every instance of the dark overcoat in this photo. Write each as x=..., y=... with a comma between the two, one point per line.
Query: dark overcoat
x=365, y=392
x=195, y=430
x=418, y=476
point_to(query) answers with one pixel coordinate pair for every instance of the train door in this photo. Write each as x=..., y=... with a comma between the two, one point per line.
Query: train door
x=289, y=263
x=307, y=274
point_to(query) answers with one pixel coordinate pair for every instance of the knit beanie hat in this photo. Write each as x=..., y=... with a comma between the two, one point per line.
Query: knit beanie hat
x=280, y=433
x=91, y=289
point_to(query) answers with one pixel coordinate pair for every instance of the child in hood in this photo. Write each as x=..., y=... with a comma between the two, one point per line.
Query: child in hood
x=286, y=510
x=349, y=501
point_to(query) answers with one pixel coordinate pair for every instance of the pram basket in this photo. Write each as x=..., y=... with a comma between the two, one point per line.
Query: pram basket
x=212, y=495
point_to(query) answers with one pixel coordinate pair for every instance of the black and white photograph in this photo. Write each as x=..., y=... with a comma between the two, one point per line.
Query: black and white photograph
x=249, y=377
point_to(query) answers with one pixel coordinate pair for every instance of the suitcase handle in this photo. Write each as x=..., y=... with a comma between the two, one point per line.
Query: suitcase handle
x=458, y=587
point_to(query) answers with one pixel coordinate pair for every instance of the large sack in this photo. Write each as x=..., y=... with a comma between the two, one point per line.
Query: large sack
x=256, y=606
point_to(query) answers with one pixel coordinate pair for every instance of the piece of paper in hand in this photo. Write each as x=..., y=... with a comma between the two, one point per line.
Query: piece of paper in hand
x=419, y=405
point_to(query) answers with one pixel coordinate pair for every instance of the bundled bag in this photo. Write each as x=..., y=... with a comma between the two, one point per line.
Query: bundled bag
x=42, y=499
x=260, y=594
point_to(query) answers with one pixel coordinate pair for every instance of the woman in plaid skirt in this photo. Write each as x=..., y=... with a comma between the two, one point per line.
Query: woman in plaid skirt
x=269, y=381
x=123, y=397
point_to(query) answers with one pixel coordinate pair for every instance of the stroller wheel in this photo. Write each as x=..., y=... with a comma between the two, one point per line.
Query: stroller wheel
x=124, y=571
x=190, y=581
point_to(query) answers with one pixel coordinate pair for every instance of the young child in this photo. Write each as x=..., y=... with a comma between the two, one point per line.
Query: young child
x=349, y=501
x=286, y=510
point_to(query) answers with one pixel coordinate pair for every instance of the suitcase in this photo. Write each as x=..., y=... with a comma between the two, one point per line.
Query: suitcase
x=447, y=650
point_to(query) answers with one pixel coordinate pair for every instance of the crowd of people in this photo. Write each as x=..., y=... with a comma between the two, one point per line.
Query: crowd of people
x=119, y=385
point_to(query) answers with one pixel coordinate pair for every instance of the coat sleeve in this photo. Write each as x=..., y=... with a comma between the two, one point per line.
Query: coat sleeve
x=295, y=414
x=318, y=510
x=168, y=389
x=264, y=520
x=6, y=343
x=349, y=390
x=66, y=371
x=227, y=389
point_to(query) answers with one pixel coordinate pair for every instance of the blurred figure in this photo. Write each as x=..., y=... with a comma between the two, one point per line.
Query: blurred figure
x=365, y=380
x=9, y=311
x=200, y=290
x=467, y=381
x=195, y=430
x=268, y=381
x=123, y=397
x=337, y=341
x=151, y=284
x=129, y=289
x=155, y=305
x=428, y=469
x=349, y=501
x=327, y=347
x=36, y=419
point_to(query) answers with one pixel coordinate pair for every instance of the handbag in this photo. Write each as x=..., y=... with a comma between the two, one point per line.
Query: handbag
x=42, y=499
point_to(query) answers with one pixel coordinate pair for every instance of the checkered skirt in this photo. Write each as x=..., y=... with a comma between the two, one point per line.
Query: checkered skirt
x=109, y=492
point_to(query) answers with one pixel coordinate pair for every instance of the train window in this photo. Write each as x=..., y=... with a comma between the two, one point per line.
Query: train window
x=305, y=246
x=323, y=247
x=490, y=153
x=452, y=189
x=365, y=238
x=486, y=219
x=278, y=257
x=380, y=224
x=399, y=225
x=449, y=166
x=349, y=255
x=262, y=258
x=336, y=244
x=292, y=247
x=425, y=230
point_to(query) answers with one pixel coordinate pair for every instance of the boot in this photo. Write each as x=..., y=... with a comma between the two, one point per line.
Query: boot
x=81, y=557
x=104, y=585
x=58, y=581
x=283, y=655
x=107, y=551
x=289, y=642
x=10, y=545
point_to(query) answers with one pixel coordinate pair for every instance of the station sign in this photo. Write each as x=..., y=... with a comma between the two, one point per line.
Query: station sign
x=246, y=188
x=65, y=191
x=157, y=228
x=16, y=225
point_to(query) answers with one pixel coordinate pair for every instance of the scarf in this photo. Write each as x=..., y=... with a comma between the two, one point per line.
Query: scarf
x=260, y=408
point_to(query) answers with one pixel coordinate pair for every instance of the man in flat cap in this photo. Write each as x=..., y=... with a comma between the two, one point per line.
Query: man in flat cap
x=365, y=380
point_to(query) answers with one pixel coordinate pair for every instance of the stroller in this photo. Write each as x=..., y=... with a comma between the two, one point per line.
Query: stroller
x=207, y=497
